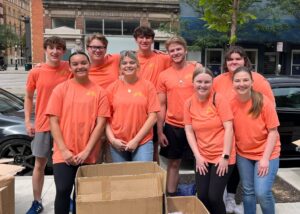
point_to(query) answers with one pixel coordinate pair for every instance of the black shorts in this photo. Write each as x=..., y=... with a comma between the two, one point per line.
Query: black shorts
x=177, y=142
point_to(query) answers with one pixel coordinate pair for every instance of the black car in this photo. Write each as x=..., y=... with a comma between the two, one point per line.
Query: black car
x=286, y=90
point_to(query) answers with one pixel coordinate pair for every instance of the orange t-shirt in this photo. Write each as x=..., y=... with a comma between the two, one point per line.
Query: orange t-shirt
x=178, y=87
x=223, y=84
x=130, y=106
x=207, y=120
x=151, y=66
x=77, y=107
x=251, y=134
x=43, y=79
x=106, y=73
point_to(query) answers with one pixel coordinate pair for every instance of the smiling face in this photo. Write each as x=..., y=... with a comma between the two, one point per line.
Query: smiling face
x=242, y=83
x=54, y=54
x=128, y=66
x=234, y=61
x=203, y=85
x=79, y=66
x=144, y=43
x=177, y=53
x=96, y=50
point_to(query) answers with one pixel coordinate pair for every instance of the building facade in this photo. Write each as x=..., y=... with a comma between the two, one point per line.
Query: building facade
x=74, y=20
x=15, y=12
x=1, y=12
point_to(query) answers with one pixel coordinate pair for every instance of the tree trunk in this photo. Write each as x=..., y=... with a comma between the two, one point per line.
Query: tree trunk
x=233, y=29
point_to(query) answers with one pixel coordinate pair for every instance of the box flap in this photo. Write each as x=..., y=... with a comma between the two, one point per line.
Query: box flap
x=186, y=204
x=107, y=188
x=8, y=169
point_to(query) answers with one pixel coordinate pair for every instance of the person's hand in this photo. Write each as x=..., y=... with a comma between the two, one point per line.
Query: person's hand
x=119, y=144
x=162, y=140
x=201, y=165
x=68, y=157
x=263, y=167
x=222, y=166
x=30, y=129
x=131, y=145
x=81, y=157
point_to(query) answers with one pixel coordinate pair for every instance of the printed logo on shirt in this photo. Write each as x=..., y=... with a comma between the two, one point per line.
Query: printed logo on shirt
x=151, y=65
x=91, y=93
x=210, y=110
x=138, y=94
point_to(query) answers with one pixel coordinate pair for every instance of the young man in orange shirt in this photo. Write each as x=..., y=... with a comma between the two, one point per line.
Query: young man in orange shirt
x=174, y=88
x=43, y=79
x=77, y=109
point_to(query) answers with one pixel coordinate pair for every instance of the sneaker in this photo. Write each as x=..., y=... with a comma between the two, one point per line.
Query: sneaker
x=35, y=208
x=239, y=209
x=230, y=205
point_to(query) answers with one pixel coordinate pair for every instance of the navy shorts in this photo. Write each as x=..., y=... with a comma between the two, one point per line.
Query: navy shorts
x=177, y=142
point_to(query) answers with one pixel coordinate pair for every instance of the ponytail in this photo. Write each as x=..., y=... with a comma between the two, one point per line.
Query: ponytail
x=257, y=104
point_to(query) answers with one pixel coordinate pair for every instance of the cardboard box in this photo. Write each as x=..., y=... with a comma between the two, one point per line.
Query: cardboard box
x=186, y=205
x=127, y=188
x=7, y=188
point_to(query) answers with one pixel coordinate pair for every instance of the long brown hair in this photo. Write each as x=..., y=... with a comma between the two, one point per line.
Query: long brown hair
x=256, y=97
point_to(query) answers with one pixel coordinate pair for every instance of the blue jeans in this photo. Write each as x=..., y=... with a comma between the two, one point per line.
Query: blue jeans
x=142, y=153
x=255, y=187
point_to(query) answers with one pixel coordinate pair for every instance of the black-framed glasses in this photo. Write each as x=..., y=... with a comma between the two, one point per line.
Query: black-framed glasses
x=95, y=48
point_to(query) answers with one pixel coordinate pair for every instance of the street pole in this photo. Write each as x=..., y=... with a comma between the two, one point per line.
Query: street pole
x=16, y=57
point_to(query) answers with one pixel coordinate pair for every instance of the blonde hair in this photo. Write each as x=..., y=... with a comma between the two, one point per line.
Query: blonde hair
x=176, y=39
x=202, y=70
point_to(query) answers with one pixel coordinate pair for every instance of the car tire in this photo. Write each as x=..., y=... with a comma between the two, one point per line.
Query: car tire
x=20, y=151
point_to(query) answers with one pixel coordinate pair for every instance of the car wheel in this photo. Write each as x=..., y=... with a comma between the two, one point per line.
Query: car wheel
x=20, y=151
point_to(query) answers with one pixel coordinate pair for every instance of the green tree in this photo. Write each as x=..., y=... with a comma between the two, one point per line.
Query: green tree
x=7, y=37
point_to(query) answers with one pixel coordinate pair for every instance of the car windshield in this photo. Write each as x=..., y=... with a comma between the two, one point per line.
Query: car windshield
x=9, y=103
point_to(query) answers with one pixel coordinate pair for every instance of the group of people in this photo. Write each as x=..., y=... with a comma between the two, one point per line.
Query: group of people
x=127, y=105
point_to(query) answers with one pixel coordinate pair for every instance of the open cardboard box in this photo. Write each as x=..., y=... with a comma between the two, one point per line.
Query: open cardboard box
x=186, y=205
x=7, y=187
x=127, y=188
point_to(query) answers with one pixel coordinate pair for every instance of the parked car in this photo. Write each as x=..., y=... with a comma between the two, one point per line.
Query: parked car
x=14, y=141
x=286, y=90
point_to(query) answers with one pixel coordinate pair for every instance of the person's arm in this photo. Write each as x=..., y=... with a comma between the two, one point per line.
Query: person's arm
x=162, y=139
x=263, y=166
x=59, y=140
x=147, y=126
x=116, y=143
x=28, y=106
x=228, y=136
x=201, y=163
x=93, y=139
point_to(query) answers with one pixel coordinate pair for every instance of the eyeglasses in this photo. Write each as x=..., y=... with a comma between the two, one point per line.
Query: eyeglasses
x=95, y=48
x=127, y=52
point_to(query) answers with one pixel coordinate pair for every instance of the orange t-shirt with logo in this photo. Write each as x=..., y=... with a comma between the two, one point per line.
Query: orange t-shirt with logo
x=151, y=66
x=130, y=105
x=178, y=87
x=77, y=107
x=207, y=121
x=106, y=73
x=251, y=134
x=223, y=84
x=44, y=79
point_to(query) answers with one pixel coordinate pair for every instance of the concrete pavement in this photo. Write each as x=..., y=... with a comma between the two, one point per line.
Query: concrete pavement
x=23, y=193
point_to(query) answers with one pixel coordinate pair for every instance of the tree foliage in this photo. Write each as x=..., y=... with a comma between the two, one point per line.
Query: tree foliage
x=7, y=37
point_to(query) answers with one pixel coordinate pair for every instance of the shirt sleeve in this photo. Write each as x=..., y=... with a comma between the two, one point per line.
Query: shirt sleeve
x=161, y=87
x=269, y=114
x=186, y=114
x=32, y=80
x=223, y=108
x=153, y=102
x=55, y=104
x=103, y=105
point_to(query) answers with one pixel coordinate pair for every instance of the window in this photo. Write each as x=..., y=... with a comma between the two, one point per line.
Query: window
x=252, y=55
x=214, y=60
x=112, y=27
x=93, y=26
x=270, y=62
x=295, y=62
x=156, y=25
x=129, y=26
x=287, y=97
x=60, y=22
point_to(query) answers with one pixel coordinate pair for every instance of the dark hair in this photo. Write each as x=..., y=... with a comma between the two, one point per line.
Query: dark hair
x=143, y=31
x=97, y=36
x=202, y=70
x=79, y=53
x=54, y=41
x=176, y=39
x=239, y=50
x=131, y=54
x=256, y=97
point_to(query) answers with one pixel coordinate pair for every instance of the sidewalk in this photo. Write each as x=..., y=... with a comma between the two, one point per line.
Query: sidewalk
x=23, y=190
